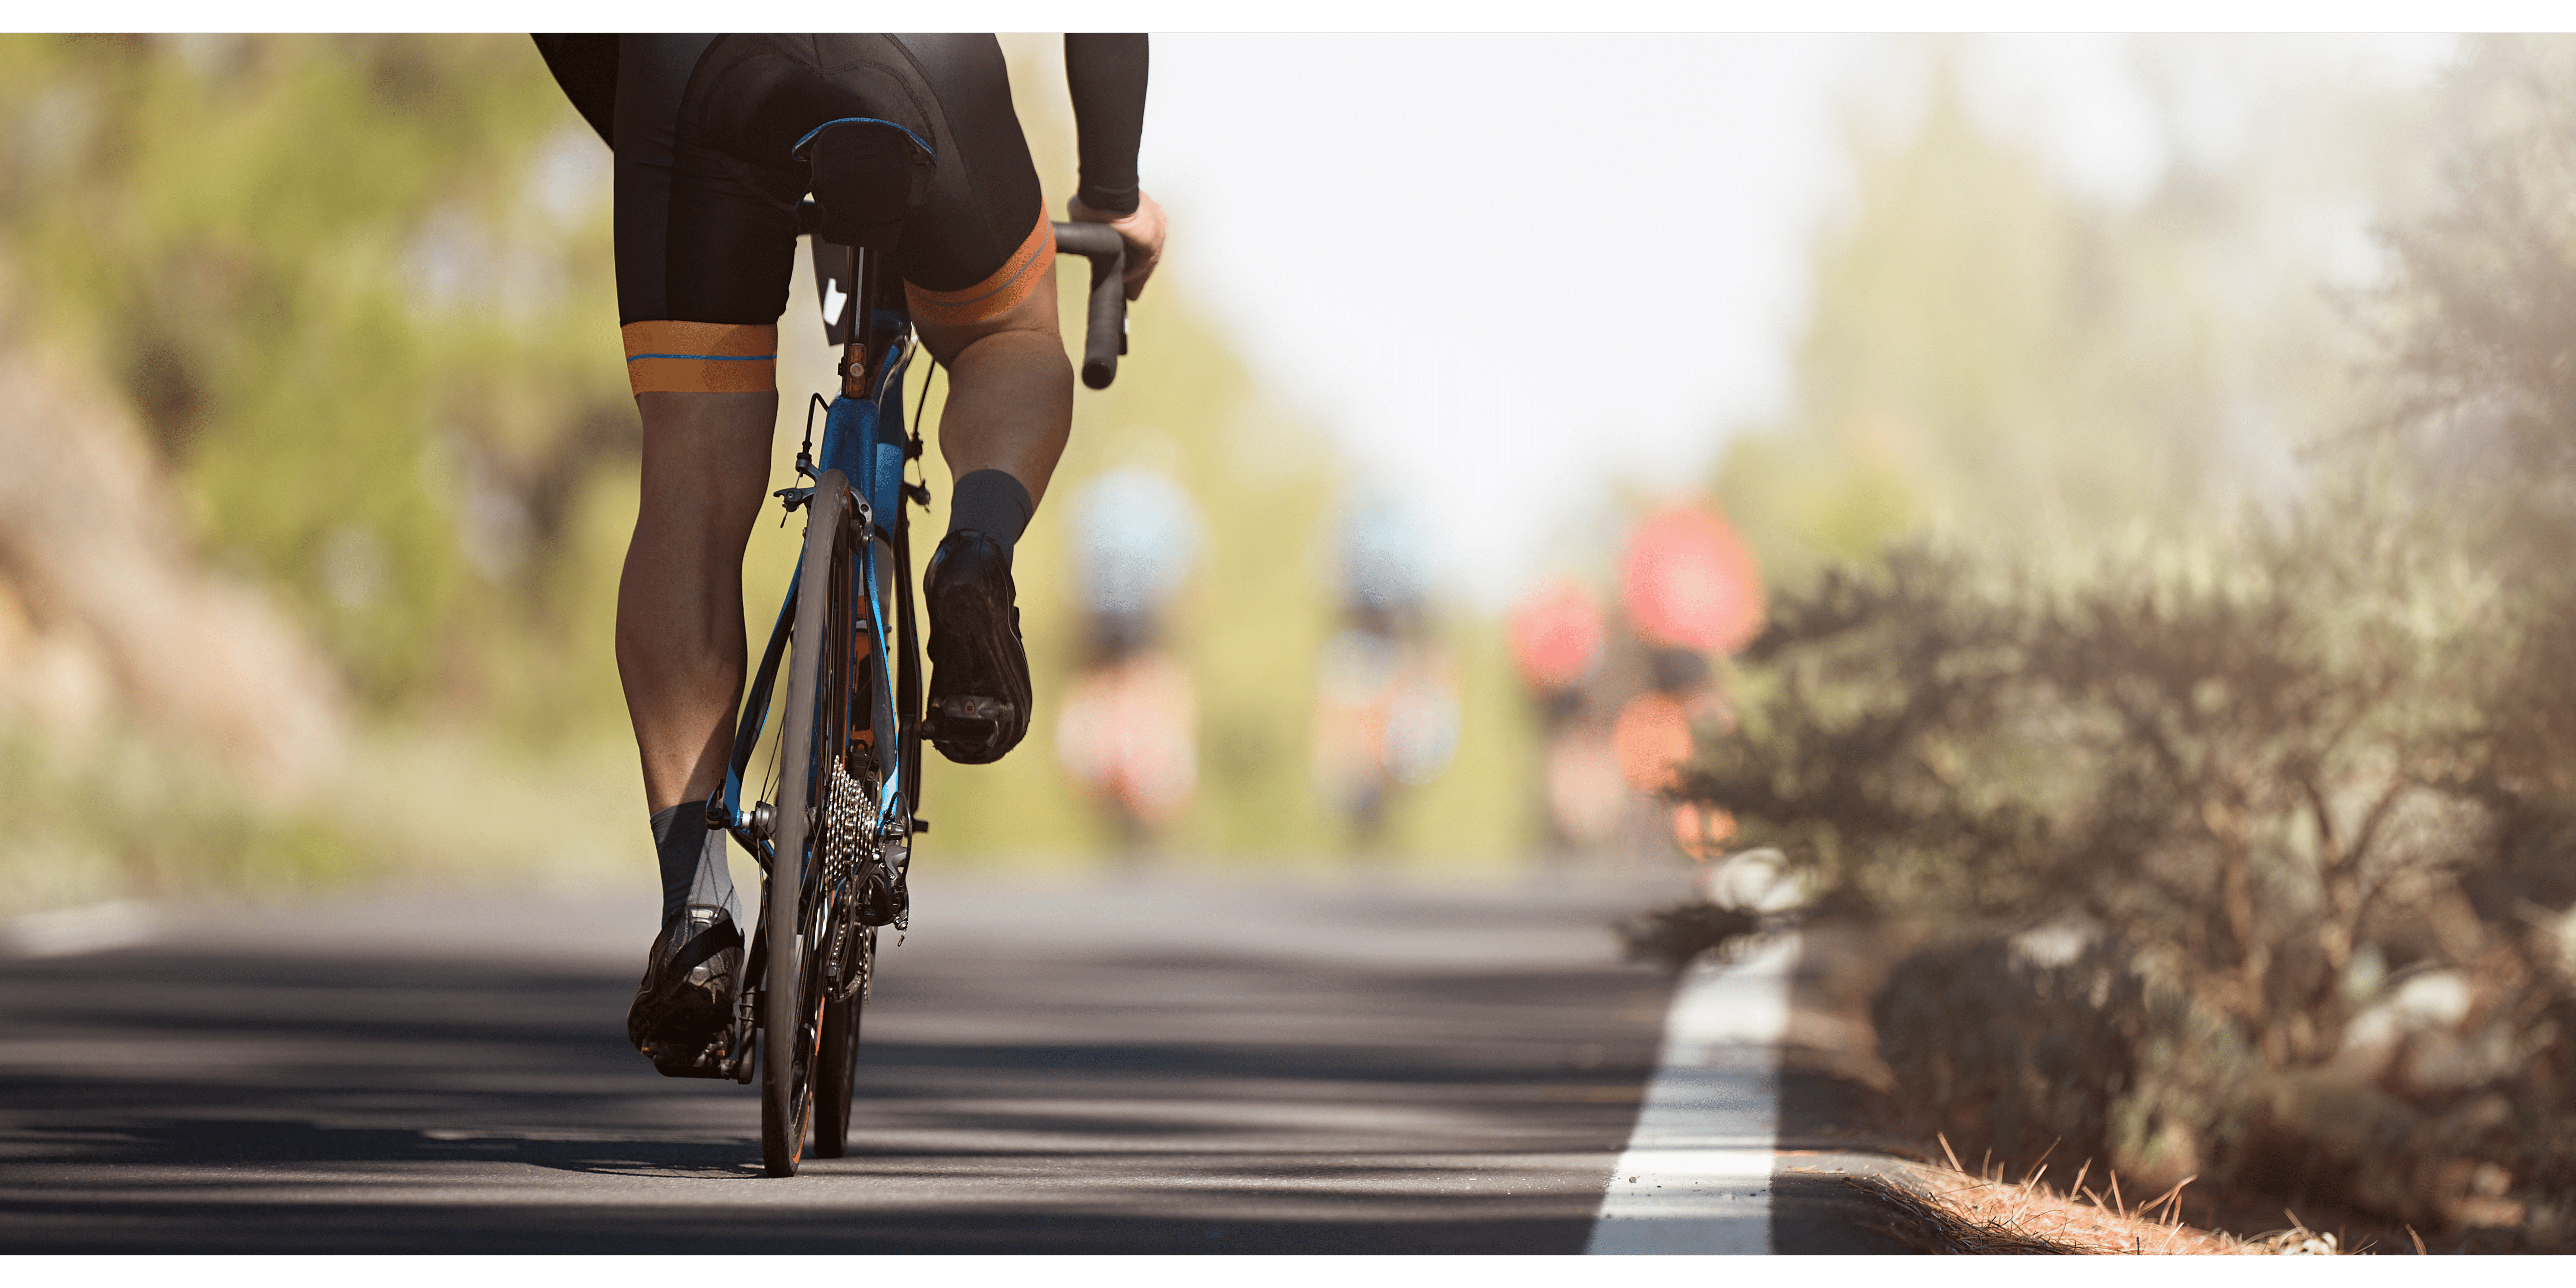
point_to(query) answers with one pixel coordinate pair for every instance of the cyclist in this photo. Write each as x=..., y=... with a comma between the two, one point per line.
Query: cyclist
x=704, y=128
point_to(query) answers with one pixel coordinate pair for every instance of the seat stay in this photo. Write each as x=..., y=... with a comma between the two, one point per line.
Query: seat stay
x=725, y=808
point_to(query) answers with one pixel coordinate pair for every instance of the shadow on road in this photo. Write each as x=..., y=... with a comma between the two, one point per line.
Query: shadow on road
x=1125, y=1097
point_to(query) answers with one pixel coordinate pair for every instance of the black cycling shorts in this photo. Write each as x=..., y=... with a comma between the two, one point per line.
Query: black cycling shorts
x=704, y=128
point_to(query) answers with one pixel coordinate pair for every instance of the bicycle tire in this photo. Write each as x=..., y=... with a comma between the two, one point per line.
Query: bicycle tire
x=836, y=1070
x=836, y=1064
x=813, y=732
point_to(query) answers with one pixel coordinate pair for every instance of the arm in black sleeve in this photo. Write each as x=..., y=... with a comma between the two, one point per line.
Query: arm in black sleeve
x=586, y=67
x=1106, y=72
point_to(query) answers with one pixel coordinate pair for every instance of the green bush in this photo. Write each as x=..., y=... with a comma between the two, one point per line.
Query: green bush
x=116, y=814
x=2258, y=788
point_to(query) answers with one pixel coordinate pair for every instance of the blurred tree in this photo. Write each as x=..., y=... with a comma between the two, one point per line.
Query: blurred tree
x=358, y=288
x=1991, y=354
x=2482, y=311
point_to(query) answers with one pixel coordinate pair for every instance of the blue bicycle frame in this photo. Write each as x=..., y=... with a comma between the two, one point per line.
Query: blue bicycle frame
x=863, y=438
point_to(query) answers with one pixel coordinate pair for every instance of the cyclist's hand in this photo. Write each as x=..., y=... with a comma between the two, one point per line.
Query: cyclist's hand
x=1142, y=229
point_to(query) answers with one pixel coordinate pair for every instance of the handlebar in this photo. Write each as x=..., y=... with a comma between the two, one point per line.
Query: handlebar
x=1104, y=337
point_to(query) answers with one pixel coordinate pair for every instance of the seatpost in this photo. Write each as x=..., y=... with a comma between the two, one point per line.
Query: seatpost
x=854, y=317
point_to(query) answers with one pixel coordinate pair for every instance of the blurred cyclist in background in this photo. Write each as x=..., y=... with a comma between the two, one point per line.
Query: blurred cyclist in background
x=706, y=130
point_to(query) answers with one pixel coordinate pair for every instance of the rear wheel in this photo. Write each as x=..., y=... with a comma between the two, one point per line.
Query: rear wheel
x=836, y=1071
x=814, y=735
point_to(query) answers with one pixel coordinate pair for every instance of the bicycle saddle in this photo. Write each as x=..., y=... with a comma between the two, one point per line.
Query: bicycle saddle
x=868, y=176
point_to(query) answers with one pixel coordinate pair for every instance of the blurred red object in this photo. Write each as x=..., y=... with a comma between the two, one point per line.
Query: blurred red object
x=1702, y=830
x=1127, y=733
x=1690, y=583
x=1556, y=635
x=1653, y=737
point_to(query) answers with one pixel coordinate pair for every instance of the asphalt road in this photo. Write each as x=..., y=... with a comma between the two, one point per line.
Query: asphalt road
x=1143, y=1065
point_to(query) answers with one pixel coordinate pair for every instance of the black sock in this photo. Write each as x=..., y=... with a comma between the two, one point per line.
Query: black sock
x=993, y=503
x=693, y=860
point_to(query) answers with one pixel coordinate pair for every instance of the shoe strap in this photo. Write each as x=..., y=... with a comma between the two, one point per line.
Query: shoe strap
x=713, y=940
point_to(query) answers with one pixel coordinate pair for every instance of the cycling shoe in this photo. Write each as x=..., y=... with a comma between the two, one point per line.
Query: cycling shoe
x=684, y=1008
x=979, y=670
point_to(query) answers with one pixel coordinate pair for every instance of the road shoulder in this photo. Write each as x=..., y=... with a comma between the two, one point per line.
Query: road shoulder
x=1831, y=1088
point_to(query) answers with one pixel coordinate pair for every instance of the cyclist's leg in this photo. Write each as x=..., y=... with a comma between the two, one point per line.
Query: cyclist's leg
x=1009, y=411
x=704, y=250
x=979, y=270
x=705, y=246
x=979, y=266
x=681, y=656
x=1010, y=391
x=680, y=647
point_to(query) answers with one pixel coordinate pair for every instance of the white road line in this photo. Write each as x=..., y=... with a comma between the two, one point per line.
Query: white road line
x=1696, y=1177
x=66, y=931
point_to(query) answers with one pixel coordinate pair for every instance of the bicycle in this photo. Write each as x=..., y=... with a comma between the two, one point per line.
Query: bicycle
x=841, y=803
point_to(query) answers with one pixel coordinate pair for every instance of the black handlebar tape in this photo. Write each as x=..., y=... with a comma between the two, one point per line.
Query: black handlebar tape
x=1105, y=331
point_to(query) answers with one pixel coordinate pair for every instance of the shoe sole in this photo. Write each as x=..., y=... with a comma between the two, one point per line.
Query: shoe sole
x=694, y=1007
x=691, y=1016
x=682, y=1037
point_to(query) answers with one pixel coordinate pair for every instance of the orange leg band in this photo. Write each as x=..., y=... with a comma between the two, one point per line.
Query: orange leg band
x=1011, y=283
x=701, y=358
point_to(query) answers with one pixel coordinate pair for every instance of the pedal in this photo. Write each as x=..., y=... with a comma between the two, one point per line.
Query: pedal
x=967, y=718
x=739, y=1065
x=708, y=1062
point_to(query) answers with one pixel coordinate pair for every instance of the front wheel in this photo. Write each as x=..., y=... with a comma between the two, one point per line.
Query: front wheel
x=814, y=735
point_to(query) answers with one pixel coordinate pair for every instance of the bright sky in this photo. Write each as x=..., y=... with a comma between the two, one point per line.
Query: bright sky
x=1512, y=273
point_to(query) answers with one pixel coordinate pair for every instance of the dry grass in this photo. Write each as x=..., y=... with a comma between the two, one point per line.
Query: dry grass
x=1955, y=1212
